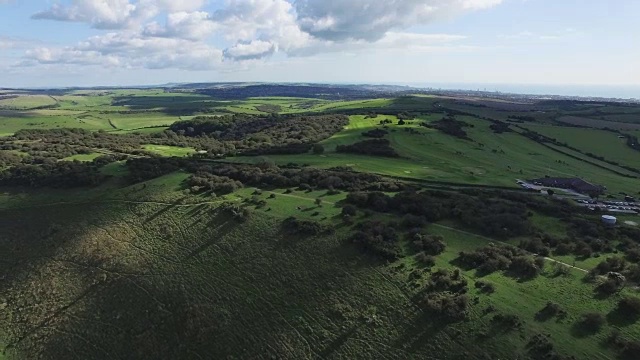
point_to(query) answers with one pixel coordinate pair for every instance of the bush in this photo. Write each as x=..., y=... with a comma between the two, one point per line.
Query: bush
x=510, y=321
x=425, y=260
x=349, y=210
x=377, y=239
x=631, y=350
x=592, y=322
x=306, y=227
x=448, y=305
x=318, y=149
x=430, y=244
x=630, y=305
x=549, y=311
x=485, y=286
x=525, y=266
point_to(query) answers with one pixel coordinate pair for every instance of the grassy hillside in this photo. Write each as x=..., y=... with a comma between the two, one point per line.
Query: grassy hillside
x=600, y=142
x=487, y=159
x=122, y=242
x=150, y=272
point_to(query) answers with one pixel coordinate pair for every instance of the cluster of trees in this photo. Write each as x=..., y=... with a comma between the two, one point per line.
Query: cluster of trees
x=267, y=175
x=445, y=295
x=450, y=126
x=378, y=239
x=374, y=147
x=489, y=215
x=217, y=136
x=220, y=185
x=9, y=159
x=492, y=258
x=274, y=134
x=143, y=169
x=500, y=127
x=375, y=133
x=304, y=227
x=63, y=174
x=629, y=349
x=429, y=244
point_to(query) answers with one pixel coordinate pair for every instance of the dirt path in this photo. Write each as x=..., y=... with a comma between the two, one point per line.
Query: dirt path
x=505, y=243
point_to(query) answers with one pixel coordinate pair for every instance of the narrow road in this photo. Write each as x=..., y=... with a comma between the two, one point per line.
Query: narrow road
x=505, y=243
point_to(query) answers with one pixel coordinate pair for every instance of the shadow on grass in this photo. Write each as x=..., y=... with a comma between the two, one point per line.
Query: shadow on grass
x=619, y=317
x=581, y=331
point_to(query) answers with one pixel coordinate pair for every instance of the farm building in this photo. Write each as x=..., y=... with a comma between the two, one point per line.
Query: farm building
x=575, y=184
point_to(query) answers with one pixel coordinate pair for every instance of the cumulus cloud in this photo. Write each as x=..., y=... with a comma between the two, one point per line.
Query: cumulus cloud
x=177, y=34
x=102, y=14
x=339, y=20
x=115, y=14
x=132, y=51
x=186, y=25
x=250, y=50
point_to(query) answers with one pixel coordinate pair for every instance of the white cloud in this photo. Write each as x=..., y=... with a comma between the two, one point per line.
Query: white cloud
x=132, y=51
x=339, y=20
x=102, y=14
x=256, y=49
x=176, y=34
x=192, y=26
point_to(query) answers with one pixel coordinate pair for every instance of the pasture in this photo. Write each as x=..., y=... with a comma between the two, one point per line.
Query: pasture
x=599, y=142
x=427, y=154
x=598, y=124
x=169, y=150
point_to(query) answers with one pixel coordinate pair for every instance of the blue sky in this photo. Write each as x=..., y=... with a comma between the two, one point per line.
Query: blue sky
x=131, y=42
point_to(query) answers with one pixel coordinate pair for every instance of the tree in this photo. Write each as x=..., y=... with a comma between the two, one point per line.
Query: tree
x=318, y=149
x=592, y=322
x=349, y=210
x=319, y=202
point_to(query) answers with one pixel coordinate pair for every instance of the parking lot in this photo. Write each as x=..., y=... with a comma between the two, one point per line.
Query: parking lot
x=611, y=206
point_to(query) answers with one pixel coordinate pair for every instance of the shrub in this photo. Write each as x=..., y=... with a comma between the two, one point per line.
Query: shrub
x=448, y=305
x=308, y=227
x=592, y=322
x=318, y=149
x=425, y=260
x=549, y=311
x=630, y=305
x=349, y=210
x=631, y=350
x=525, y=266
x=510, y=321
x=485, y=286
x=430, y=244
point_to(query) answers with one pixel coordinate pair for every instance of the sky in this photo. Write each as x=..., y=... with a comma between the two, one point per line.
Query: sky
x=47, y=43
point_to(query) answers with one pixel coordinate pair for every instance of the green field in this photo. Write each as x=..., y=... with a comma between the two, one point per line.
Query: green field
x=83, y=157
x=431, y=155
x=600, y=142
x=169, y=150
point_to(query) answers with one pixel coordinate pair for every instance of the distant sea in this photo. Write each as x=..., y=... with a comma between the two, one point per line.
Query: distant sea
x=604, y=91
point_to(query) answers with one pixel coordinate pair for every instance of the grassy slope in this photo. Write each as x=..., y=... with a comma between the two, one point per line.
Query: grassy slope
x=176, y=280
x=432, y=155
x=599, y=142
x=169, y=150
x=83, y=157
